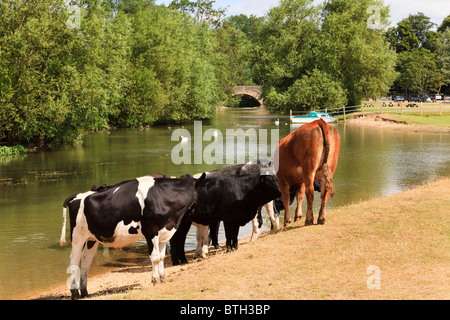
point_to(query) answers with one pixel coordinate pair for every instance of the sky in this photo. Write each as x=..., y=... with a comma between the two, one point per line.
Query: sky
x=437, y=10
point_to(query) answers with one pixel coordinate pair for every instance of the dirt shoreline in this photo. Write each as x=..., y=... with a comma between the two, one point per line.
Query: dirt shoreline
x=120, y=280
x=385, y=121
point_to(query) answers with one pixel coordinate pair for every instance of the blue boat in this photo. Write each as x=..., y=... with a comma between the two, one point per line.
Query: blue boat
x=312, y=116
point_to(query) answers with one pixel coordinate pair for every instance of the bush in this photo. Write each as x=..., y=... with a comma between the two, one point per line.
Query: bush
x=8, y=151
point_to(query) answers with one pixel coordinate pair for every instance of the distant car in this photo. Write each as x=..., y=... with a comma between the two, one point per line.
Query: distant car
x=436, y=97
x=415, y=99
x=399, y=98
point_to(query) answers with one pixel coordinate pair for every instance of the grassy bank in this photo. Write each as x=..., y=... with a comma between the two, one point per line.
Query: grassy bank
x=428, y=119
x=406, y=237
x=430, y=115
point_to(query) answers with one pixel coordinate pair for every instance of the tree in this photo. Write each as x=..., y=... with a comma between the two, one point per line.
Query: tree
x=329, y=50
x=419, y=72
x=124, y=62
x=444, y=25
x=443, y=56
x=172, y=76
x=201, y=10
x=53, y=77
x=412, y=33
x=285, y=50
x=232, y=57
x=402, y=37
x=354, y=54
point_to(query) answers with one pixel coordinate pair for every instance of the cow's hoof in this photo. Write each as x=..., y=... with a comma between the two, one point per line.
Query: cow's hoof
x=309, y=222
x=75, y=294
x=155, y=281
x=287, y=223
x=84, y=293
x=321, y=221
x=297, y=218
x=162, y=278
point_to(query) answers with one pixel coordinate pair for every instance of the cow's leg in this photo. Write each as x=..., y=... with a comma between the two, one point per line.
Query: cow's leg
x=324, y=194
x=309, y=190
x=88, y=254
x=199, y=237
x=155, y=255
x=255, y=228
x=214, y=234
x=177, y=242
x=275, y=219
x=228, y=235
x=75, y=256
x=162, y=254
x=285, y=195
x=235, y=236
x=299, y=197
x=155, y=258
x=202, y=241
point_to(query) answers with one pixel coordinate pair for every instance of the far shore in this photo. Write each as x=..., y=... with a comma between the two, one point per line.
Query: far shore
x=394, y=122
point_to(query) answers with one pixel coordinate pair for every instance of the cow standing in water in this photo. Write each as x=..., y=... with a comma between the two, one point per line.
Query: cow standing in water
x=117, y=215
x=306, y=155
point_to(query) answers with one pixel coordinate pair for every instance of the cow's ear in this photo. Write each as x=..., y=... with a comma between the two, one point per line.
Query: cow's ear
x=200, y=180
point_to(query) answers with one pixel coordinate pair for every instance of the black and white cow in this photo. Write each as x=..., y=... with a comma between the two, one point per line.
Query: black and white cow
x=117, y=215
x=228, y=198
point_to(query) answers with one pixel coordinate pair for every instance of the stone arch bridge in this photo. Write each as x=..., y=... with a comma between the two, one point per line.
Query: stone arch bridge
x=253, y=91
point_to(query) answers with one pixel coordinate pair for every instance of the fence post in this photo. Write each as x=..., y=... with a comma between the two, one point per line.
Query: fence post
x=421, y=111
x=344, y=113
x=381, y=108
x=401, y=108
x=440, y=109
x=363, y=110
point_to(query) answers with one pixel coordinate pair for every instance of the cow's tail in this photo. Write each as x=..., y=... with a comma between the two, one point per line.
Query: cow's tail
x=327, y=179
x=62, y=240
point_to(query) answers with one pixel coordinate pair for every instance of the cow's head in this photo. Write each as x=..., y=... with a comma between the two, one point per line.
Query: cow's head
x=269, y=184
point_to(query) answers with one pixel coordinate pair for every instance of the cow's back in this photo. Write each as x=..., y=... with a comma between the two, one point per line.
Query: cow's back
x=302, y=152
x=113, y=208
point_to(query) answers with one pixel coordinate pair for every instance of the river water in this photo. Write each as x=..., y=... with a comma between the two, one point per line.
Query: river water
x=372, y=163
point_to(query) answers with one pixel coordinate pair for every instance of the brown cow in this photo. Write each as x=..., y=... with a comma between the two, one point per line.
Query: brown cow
x=306, y=155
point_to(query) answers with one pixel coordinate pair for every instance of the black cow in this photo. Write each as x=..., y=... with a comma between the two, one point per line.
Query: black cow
x=117, y=215
x=228, y=198
x=253, y=167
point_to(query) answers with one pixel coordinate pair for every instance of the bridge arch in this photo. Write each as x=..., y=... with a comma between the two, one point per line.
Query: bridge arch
x=253, y=91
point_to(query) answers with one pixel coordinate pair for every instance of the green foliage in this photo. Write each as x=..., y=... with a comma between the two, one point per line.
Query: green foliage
x=419, y=72
x=127, y=63
x=422, y=55
x=322, y=56
x=315, y=90
x=443, y=56
x=14, y=150
x=444, y=25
